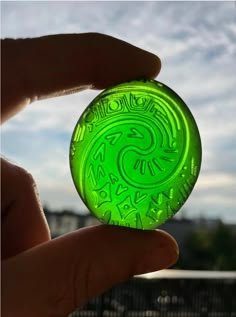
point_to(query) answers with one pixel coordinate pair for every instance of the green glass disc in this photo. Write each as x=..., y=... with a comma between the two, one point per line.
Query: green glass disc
x=135, y=154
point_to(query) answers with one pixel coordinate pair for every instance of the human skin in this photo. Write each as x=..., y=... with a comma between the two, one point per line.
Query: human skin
x=43, y=277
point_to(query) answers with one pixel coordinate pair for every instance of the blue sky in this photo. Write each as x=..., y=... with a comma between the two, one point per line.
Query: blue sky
x=196, y=43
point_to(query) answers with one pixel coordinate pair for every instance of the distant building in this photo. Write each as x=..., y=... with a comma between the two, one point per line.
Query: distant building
x=66, y=221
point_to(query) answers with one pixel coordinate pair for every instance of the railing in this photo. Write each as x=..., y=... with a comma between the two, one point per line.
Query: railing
x=168, y=293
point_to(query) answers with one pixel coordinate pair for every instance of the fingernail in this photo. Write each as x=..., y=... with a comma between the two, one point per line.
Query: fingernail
x=158, y=259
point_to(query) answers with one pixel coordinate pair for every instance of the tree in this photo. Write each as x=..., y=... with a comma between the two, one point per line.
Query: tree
x=206, y=249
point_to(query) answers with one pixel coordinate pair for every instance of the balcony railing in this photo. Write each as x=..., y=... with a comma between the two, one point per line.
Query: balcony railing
x=168, y=293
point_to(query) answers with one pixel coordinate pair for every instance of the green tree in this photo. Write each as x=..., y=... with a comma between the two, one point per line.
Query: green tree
x=206, y=249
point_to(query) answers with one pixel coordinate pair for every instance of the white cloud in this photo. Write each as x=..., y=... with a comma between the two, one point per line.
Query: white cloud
x=215, y=180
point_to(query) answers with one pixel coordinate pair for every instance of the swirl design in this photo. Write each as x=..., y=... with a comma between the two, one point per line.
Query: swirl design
x=131, y=157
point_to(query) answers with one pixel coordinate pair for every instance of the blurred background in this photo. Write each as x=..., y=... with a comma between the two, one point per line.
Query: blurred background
x=196, y=43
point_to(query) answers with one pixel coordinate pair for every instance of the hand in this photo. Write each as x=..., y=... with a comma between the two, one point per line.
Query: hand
x=43, y=277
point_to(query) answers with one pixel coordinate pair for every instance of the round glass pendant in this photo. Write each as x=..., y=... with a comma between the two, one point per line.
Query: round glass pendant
x=135, y=154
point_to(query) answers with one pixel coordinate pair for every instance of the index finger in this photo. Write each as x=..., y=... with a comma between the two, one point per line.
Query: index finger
x=58, y=64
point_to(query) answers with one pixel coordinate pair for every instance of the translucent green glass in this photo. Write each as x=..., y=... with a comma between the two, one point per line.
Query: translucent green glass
x=135, y=154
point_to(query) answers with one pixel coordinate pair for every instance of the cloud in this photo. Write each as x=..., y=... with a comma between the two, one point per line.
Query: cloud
x=196, y=42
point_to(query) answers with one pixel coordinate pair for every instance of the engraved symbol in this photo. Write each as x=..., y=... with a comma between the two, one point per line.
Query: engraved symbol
x=100, y=153
x=89, y=116
x=183, y=192
x=106, y=217
x=138, y=102
x=72, y=149
x=135, y=134
x=101, y=110
x=121, y=189
x=186, y=189
x=157, y=164
x=139, y=224
x=139, y=197
x=171, y=151
x=154, y=212
x=126, y=207
x=183, y=171
x=79, y=134
x=143, y=165
x=170, y=212
x=136, y=165
x=115, y=105
x=169, y=194
x=100, y=172
x=115, y=222
x=151, y=169
x=167, y=159
x=193, y=167
x=114, y=137
x=91, y=173
x=157, y=199
x=102, y=195
x=113, y=178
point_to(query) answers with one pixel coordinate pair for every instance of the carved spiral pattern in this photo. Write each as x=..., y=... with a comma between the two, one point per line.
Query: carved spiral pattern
x=131, y=157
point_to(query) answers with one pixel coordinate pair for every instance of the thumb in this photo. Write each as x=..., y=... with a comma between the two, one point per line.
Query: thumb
x=55, y=278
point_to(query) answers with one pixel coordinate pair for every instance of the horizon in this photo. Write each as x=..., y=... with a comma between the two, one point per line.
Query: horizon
x=183, y=216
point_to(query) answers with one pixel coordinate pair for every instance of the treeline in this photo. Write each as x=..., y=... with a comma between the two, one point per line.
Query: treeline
x=213, y=249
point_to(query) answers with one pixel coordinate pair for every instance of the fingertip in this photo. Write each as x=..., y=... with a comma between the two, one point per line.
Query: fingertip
x=157, y=67
x=170, y=250
x=162, y=253
x=149, y=250
x=169, y=240
x=122, y=61
x=154, y=65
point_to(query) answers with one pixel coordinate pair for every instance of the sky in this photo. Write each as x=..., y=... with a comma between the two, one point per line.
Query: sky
x=196, y=43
